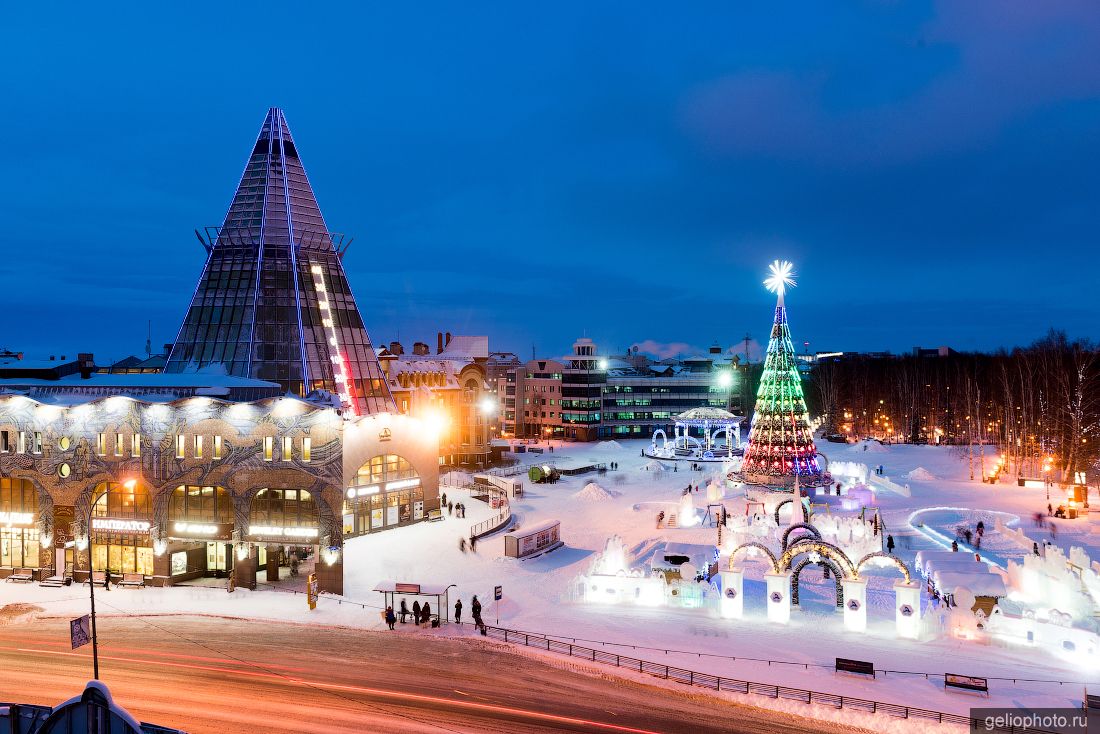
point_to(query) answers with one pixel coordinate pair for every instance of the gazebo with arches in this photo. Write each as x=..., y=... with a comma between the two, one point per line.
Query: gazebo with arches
x=708, y=425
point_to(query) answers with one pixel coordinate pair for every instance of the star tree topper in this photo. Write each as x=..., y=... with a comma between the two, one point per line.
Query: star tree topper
x=781, y=275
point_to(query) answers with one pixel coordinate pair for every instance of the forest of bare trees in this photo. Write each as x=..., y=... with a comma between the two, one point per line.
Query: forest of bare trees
x=1028, y=404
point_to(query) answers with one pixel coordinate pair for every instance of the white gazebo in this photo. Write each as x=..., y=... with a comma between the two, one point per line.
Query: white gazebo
x=709, y=424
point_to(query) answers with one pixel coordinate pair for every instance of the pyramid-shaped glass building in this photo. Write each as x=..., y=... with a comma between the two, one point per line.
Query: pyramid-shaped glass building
x=273, y=302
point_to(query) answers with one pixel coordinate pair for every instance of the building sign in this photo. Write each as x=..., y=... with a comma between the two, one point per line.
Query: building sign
x=406, y=588
x=385, y=434
x=220, y=530
x=16, y=518
x=265, y=531
x=312, y=591
x=120, y=526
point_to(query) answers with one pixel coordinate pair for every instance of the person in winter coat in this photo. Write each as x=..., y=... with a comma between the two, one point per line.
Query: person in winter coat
x=889, y=543
x=954, y=546
x=416, y=613
x=1035, y=548
x=443, y=498
x=475, y=609
x=390, y=617
x=458, y=612
x=404, y=612
x=426, y=613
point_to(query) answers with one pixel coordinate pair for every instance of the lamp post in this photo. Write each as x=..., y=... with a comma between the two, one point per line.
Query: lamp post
x=91, y=588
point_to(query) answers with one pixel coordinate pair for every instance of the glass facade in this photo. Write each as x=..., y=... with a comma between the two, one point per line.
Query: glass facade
x=386, y=492
x=273, y=302
x=200, y=505
x=284, y=508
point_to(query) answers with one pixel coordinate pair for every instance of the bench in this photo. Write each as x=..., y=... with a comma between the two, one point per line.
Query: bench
x=132, y=581
x=98, y=578
x=434, y=515
x=22, y=576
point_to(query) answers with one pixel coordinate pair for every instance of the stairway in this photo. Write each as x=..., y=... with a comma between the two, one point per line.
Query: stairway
x=671, y=521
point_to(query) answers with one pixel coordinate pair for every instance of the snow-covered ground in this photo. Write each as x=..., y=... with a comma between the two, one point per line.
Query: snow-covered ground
x=538, y=593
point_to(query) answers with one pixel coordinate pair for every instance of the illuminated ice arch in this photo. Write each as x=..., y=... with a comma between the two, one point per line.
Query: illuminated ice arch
x=284, y=515
x=710, y=424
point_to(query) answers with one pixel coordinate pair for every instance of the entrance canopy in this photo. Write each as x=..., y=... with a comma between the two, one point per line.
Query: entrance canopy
x=391, y=590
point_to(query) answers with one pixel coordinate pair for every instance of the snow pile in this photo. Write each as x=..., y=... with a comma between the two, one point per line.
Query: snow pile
x=593, y=492
x=654, y=466
x=921, y=475
x=609, y=446
x=872, y=447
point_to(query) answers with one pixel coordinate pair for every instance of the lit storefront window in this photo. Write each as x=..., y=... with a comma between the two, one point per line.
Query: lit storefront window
x=121, y=520
x=200, y=512
x=386, y=492
x=18, y=524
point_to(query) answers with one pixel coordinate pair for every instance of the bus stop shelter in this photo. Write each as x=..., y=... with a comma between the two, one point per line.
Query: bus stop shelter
x=393, y=591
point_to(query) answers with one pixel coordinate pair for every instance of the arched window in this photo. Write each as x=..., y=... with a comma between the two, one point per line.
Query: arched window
x=129, y=500
x=205, y=512
x=284, y=513
x=18, y=524
x=384, y=470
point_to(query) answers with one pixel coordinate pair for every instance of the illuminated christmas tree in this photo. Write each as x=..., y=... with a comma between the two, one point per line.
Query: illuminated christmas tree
x=781, y=441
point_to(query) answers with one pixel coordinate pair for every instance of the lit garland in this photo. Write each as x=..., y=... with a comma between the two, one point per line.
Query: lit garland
x=780, y=440
x=339, y=364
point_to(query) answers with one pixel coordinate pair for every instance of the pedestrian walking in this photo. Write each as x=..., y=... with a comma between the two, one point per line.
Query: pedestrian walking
x=391, y=618
x=890, y=544
x=954, y=546
x=1050, y=510
x=443, y=499
x=473, y=544
x=1053, y=531
x=426, y=613
x=1035, y=548
x=462, y=544
x=450, y=508
x=458, y=612
x=475, y=610
x=416, y=613
x=404, y=612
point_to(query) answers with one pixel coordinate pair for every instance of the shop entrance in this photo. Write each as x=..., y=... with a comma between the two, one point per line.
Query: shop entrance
x=219, y=558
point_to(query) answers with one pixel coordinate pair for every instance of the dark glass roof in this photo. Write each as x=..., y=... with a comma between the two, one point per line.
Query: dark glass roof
x=273, y=302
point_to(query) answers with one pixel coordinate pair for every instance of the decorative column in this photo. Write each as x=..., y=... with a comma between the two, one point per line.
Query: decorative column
x=907, y=609
x=779, y=596
x=733, y=603
x=855, y=604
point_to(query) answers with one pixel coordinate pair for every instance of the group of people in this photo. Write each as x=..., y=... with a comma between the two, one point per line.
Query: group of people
x=473, y=544
x=422, y=614
x=972, y=537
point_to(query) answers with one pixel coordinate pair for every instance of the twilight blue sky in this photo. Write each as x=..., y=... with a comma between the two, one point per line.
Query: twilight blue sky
x=538, y=171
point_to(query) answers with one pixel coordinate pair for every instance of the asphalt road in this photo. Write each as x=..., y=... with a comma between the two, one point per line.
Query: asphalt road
x=224, y=676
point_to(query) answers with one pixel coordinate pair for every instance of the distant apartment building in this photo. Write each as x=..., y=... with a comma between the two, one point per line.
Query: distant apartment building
x=586, y=396
x=449, y=388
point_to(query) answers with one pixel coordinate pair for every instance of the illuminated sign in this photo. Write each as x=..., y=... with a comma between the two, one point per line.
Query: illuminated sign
x=363, y=491
x=120, y=526
x=203, y=529
x=385, y=434
x=16, y=518
x=283, y=532
x=403, y=484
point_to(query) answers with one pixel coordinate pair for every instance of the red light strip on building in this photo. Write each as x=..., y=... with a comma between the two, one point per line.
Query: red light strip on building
x=339, y=363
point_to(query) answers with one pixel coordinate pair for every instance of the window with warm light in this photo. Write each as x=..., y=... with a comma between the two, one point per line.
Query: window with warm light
x=217, y=447
x=135, y=445
x=307, y=449
x=118, y=444
x=100, y=444
x=181, y=446
x=198, y=447
x=269, y=447
x=288, y=448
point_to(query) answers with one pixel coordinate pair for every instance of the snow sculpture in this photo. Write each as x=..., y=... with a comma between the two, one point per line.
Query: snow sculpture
x=686, y=516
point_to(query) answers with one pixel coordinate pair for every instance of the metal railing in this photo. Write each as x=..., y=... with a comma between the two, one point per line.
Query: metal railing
x=733, y=685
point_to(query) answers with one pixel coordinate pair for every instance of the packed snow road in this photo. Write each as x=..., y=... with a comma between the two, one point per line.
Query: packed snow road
x=225, y=676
